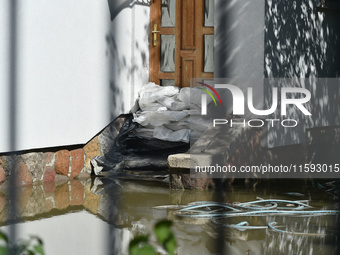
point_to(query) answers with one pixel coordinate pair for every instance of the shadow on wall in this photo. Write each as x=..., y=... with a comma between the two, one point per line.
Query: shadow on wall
x=324, y=108
x=128, y=58
x=239, y=39
x=301, y=42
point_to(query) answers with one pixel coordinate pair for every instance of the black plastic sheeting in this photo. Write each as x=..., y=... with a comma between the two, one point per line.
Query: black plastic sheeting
x=127, y=144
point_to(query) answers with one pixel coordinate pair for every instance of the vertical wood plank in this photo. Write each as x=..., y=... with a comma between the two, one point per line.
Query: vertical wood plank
x=178, y=35
x=155, y=51
x=188, y=66
x=199, y=24
x=188, y=24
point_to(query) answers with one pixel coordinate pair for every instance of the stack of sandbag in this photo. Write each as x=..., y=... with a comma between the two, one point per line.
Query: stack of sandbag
x=169, y=113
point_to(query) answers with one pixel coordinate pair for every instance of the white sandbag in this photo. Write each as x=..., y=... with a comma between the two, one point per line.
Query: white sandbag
x=178, y=125
x=197, y=123
x=193, y=112
x=135, y=107
x=192, y=97
x=166, y=134
x=154, y=106
x=151, y=93
x=173, y=103
x=144, y=132
x=169, y=114
x=158, y=118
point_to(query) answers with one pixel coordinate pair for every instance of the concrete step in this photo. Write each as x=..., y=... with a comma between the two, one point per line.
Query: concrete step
x=215, y=146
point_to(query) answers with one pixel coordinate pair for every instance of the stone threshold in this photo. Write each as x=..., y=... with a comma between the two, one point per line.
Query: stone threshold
x=216, y=144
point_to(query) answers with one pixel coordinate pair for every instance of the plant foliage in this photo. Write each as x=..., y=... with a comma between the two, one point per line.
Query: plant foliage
x=140, y=244
x=32, y=246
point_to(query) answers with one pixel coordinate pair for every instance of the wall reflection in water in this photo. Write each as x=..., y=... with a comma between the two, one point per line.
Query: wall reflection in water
x=93, y=207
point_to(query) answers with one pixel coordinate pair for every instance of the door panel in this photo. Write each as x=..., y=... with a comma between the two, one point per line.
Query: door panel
x=188, y=66
x=181, y=41
x=168, y=17
x=167, y=83
x=188, y=24
x=167, y=53
x=209, y=13
x=208, y=53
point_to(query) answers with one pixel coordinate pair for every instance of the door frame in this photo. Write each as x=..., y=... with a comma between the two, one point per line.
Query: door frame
x=195, y=55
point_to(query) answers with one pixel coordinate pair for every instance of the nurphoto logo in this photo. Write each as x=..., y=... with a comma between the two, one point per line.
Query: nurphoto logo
x=302, y=96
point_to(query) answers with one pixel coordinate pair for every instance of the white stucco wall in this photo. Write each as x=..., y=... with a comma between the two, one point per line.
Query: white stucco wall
x=128, y=49
x=239, y=38
x=4, y=103
x=69, y=85
x=259, y=38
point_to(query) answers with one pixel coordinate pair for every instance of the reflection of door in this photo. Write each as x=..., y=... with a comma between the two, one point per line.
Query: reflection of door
x=181, y=41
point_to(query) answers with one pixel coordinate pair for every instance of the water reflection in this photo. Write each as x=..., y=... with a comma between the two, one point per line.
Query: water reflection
x=49, y=199
x=129, y=207
x=197, y=236
x=72, y=233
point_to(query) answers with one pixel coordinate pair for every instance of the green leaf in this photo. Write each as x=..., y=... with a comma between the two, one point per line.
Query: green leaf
x=3, y=250
x=3, y=236
x=147, y=249
x=138, y=240
x=139, y=246
x=30, y=252
x=170, y=244
x=165, y=236
x=39, y=240
x=39, y=249
x=162, y=230
x=21, y=247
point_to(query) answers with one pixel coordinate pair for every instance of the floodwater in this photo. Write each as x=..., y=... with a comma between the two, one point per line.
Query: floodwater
x=101, y=216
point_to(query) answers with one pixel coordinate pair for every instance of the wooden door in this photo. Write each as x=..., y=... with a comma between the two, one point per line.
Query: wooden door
x=181, y=41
